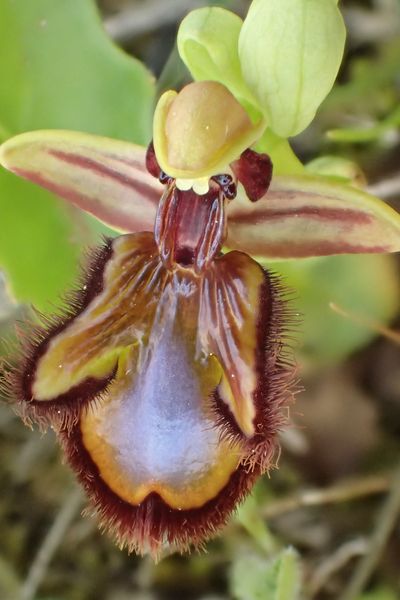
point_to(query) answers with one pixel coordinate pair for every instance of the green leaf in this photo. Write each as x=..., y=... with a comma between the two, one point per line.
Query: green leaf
x=358, y=135
x=59, y=70
x=366, y=286
x=370, y=87
x=208, y=44
x=253, y=578
x=307, y=216
x=362, y=135
x=39, y=246
x=290, y=52
x=249, y=516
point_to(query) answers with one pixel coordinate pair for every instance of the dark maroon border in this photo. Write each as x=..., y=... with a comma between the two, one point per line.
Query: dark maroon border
x=33, y=342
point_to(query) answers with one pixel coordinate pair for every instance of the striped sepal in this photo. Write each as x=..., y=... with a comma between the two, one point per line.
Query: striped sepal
x=309, y=216
x=105, y=177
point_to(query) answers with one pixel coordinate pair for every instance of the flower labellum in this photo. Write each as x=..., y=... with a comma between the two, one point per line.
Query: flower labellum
x=165, y=379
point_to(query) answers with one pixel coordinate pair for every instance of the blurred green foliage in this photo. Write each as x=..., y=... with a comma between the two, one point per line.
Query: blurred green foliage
x=379, y=594
x=59, y=70
x=366, y=286
x=370, y=88
x=255, y=578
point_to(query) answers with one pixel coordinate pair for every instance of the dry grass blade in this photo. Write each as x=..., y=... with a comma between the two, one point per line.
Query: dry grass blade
x=340, y=492
x=386, y=521
x=335, y=563
x=52, y=540
x=378, y=328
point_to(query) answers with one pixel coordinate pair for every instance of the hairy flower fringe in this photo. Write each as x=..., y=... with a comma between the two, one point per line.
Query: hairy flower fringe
x=32, y=339
x=278, y=381
x=152, y=527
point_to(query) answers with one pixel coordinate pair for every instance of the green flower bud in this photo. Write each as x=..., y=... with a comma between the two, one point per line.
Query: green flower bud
x=208, y=45
x=290, y=52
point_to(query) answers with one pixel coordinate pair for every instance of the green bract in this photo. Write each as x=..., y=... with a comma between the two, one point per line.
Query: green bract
x=342, y=169
x=208, y=41
x=199, y=131
x=288, y=52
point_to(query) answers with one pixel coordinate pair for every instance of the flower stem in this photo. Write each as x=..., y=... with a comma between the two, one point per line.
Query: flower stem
x=386, y=521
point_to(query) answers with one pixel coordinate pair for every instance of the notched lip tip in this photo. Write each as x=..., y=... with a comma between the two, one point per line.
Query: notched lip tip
x=152, y=525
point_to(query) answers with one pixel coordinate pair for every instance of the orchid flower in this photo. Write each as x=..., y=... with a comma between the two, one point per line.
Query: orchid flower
x=168, y=376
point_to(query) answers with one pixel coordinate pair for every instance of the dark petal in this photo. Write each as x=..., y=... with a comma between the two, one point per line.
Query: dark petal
x=151, y=162
x=254, y=171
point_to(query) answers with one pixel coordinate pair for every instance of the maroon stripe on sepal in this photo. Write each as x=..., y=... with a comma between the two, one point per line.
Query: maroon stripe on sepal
x=345, y=215
x=100, y=169
x=114, y=218
x=306, y=249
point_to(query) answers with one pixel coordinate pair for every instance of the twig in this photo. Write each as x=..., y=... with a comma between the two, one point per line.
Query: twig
x=387, y=188
x=390, y=334
x=340, y=492
x=386, y=521
x=334, y=563
x=152, y=15
x=54, y=536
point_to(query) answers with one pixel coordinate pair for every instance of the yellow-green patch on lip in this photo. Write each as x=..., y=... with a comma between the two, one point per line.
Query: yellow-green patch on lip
x=199, y=131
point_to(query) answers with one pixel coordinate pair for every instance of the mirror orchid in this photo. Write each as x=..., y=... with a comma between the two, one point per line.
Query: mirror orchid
x=167, y=378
